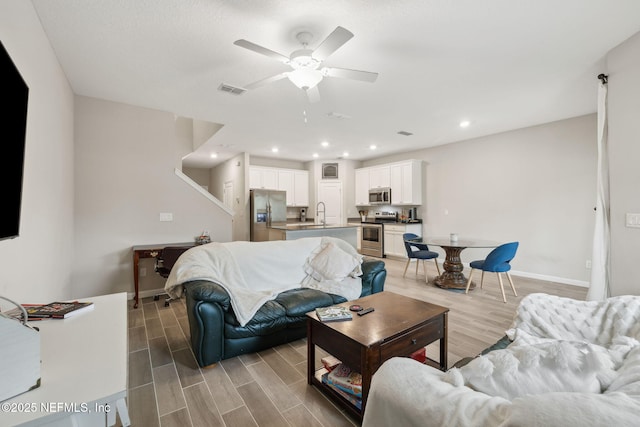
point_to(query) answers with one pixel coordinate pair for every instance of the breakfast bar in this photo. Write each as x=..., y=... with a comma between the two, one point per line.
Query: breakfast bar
x=348, y=233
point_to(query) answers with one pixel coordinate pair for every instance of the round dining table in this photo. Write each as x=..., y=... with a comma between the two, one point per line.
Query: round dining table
x=453, y=276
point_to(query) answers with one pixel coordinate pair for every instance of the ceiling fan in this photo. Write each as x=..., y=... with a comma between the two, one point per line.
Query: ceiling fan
x=306, y=64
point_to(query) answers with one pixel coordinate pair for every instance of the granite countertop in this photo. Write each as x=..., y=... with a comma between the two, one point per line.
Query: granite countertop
x=310, y=226
x=373, y=219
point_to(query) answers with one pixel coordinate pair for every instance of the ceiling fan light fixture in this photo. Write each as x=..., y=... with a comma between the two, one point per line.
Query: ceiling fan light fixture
x=302, y=59
x=305, y=78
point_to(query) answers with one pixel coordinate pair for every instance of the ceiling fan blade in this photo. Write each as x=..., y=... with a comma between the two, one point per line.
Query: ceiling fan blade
x=344, y=73
x=261, y=50
x=337, y=38
x=266, y=81
x=313, y=94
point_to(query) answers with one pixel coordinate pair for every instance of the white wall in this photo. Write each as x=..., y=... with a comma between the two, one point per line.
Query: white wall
x=125, y=161
x=234, y=171
x=36, y=266
x=534, y=185
x=200, y=175
x=623, y=65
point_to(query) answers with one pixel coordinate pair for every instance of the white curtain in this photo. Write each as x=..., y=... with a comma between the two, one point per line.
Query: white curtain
x=600, y=267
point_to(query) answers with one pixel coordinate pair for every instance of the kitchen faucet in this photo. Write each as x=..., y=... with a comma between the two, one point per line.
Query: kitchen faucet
x=324, y=215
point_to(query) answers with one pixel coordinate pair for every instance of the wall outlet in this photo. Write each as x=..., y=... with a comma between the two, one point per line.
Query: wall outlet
x=633, y=220
x=142, y=271
x=588, y=263
x=166, y=216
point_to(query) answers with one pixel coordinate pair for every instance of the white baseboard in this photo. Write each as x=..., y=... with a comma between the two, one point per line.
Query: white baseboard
x=555, y=279
x=545, y=277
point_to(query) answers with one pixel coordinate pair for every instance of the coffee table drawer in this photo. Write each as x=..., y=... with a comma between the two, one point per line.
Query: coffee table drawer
x=411, y=341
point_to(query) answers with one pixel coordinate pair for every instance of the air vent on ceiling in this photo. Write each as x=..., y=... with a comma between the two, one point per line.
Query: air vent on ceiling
x=234, y=90
x=405, y=133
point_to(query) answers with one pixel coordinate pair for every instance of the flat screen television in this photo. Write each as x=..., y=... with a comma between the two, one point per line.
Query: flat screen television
x=14, y=100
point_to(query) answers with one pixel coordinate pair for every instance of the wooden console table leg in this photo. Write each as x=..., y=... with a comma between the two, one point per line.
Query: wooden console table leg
x=136, y=260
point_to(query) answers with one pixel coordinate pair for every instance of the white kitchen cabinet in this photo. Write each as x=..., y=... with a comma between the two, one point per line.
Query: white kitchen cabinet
x=294, y=182
x=362, y=187
x=393, y=240
x=300, y=188
x=262, y=177
x=379, y=177
x=406, y=183
x=285, y=183
x=404, y=179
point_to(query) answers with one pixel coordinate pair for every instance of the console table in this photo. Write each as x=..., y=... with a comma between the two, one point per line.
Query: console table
x=147, y=251
x=83, y=370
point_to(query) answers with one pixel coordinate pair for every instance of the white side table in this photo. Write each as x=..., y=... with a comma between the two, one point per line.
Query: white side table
x=83, y=371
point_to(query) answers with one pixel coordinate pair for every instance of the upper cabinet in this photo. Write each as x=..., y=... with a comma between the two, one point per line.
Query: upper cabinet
x=264, y=178
x=294, y=182
x=379, y=177
x=362, y=187
x=285, y=183
x=300, y=188
x=404, y=179
x=406, y=183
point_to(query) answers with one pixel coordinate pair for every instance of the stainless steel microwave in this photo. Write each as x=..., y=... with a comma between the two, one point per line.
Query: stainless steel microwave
x=380, y=196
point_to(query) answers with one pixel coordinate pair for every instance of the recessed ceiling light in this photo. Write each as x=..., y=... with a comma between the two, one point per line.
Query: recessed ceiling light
x=345, y=154
x=315, y=155
x=372, y=147
x=324, y=143
x=465, y=123
x=274, y=150
x=214, y=155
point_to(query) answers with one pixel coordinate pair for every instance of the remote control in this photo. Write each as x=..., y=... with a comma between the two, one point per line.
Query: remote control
x=365, y=311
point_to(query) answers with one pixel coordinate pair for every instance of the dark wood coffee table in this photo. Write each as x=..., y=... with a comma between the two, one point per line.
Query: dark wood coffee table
x=398, y=327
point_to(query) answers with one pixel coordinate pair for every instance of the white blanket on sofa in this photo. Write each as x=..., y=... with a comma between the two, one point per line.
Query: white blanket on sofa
x=253, y=273
x=573, y=363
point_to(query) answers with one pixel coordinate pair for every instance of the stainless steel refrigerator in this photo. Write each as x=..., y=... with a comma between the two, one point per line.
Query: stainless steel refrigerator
x=268, y=208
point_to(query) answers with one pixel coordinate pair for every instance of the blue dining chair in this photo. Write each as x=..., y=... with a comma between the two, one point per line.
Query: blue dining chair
x=418, y=251
x=498, y=261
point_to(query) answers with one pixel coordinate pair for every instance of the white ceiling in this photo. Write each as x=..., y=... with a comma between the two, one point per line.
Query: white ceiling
x=502, y=64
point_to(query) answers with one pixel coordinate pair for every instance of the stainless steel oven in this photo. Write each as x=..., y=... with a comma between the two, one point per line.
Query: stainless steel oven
x=372, y=241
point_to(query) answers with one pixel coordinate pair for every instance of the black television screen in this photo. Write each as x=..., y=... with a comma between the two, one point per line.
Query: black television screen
x=14, y=99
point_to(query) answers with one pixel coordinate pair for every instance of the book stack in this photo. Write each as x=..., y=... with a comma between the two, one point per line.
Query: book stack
x=420, y=355
x=346, y=382
x=333, y=314
x=54, y=310
x=330, y=362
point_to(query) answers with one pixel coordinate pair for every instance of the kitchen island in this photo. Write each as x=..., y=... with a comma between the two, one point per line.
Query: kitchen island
x=344, y=232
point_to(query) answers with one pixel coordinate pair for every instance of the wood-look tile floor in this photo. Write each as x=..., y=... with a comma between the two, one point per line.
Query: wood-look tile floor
x=269, y=388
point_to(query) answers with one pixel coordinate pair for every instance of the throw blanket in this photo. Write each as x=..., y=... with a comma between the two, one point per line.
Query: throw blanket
x=613, y=324
x=253, y=273
x=407, y=393
x=572, y=363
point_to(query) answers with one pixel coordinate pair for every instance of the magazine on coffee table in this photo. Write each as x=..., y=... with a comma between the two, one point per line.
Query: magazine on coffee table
x=58, y=310
x=333, y=314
